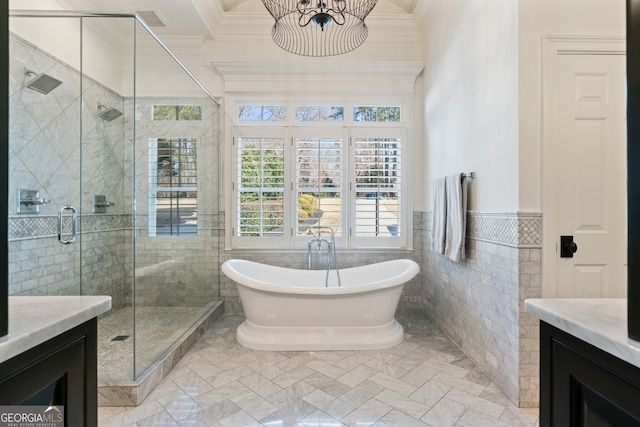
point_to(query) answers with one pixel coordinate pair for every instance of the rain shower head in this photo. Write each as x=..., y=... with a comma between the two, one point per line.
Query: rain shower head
x=43, y=83
x=108, y=114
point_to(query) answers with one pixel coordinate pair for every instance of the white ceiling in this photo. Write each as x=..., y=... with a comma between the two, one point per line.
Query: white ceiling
x=185, y=17
x=205, y=33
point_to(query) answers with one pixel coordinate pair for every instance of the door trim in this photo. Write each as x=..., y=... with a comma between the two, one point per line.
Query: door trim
x=554, y=46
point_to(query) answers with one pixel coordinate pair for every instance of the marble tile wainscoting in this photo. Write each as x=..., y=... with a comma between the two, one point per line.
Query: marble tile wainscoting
x=479, y=302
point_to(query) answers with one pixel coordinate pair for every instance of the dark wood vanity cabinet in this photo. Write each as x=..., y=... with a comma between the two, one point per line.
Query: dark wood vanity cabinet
x=60, y=371
x=581, y=385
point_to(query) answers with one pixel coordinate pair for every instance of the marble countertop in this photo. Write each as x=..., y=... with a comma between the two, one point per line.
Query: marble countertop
x=34, y=320
x=602, y=322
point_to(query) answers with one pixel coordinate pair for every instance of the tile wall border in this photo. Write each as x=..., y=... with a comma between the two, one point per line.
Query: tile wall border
x=44, y=226
x=512, y=229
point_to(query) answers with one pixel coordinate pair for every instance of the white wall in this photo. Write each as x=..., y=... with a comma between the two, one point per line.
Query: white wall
x=59, y=37
x=538, y=18
x=106, y=53
x=471, y=101
x=484, y=64
x=100, y=53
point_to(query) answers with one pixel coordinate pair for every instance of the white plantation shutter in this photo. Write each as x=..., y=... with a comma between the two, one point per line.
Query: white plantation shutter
x=377, y=193
x=320, y=167
x=319, y=183
x=173, y=186
x=261, y=187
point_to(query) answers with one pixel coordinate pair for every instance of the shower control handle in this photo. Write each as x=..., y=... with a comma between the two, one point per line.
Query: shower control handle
x=74, y=222
x=31, y=201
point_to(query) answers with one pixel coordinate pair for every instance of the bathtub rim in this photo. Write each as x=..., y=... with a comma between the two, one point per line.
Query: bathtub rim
x=406, y=275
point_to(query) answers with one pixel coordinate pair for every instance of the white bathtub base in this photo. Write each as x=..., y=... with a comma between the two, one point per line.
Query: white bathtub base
x=279, y=338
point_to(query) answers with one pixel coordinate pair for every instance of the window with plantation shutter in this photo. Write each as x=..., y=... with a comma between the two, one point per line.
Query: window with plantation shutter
x=319, y=182
x=260, y=183
x=377, y=205
x=320, y=167
x=173, y=187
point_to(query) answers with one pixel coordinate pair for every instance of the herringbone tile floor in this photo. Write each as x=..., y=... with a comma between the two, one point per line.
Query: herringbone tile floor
x=424, y=381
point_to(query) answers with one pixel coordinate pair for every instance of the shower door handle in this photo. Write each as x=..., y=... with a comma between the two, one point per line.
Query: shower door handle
x=74, y=221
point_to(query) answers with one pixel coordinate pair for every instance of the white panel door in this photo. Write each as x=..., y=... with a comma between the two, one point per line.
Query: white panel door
x=590, y=178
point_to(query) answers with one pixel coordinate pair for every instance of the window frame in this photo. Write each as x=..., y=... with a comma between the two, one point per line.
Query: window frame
x=257, y=242
x=154, y=188
x=377, y=241
x=315, y=132
x=288, y=129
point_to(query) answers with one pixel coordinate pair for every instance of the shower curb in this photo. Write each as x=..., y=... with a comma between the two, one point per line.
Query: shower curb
x=133, y=393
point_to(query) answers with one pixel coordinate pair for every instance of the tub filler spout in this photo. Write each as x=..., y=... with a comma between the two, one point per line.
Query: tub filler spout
x=332, y=256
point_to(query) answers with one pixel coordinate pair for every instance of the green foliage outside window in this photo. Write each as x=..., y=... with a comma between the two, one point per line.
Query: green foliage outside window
x=260, y=209
x=260, y=217
x=376, y=114
x=307, y=205
x=177, y=112
x=262, y=168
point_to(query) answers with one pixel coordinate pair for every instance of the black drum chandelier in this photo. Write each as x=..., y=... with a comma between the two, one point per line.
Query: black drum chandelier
x=319, y=27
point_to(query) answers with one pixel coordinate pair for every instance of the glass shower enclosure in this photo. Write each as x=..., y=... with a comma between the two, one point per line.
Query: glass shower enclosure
x=113, y=184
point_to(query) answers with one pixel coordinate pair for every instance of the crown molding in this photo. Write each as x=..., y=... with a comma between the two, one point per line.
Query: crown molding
x=313, y=76
x=316, y=70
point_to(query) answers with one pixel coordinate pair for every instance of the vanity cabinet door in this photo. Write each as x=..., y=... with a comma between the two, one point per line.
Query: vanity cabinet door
x=61, y=371
x=580, y=385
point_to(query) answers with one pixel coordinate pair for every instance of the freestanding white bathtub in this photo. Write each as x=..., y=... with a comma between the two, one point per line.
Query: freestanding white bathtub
x=292, y=310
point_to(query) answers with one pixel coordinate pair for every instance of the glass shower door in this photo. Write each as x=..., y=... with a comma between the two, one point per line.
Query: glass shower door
x=70, y=199
x=114, y=182
x=45, y=157
x=176, y=201
x=106, y=264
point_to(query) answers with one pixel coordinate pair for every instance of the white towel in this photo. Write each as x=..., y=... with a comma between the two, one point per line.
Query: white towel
x=439, y=226
x=455, y=233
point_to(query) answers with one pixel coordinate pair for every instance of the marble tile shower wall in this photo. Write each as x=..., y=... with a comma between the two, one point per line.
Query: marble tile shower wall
x=479, y=303
x=175, y=271
x=44, y=155
x=42, y=266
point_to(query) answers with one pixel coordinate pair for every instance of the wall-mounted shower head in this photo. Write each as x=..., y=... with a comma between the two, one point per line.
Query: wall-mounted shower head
x=108, y=114
x=43, y=83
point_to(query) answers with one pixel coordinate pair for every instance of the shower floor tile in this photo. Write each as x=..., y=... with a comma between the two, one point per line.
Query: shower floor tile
x=157, y=328
x=425, y=381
